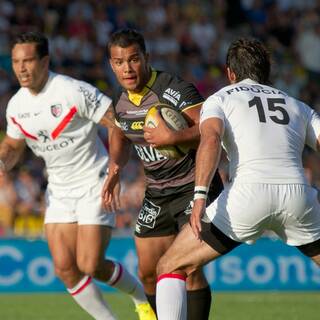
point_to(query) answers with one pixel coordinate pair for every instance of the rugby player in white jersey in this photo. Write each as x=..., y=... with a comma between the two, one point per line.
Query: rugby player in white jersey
x=57, y=117
x=263, y=131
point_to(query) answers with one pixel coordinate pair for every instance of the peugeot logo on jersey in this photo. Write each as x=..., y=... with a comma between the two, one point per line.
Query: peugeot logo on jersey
x=56, y=110
x=44, y=135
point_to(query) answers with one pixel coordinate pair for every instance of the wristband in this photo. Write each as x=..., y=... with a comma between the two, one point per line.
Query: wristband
x=200, y=192
x=201, y=188
x=200, y=196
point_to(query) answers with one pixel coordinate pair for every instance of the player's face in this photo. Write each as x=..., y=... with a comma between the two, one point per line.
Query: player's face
x=30, y=70
x=130, y=66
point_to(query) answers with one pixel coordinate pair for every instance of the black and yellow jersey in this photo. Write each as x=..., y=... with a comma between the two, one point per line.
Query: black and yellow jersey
x=130, y=111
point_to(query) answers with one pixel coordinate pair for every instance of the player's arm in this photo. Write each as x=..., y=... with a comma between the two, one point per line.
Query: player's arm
x=108, y=119
x=163, y=135
x=10, y=152
x=207, y=160
x=119, y=151
x=313, y=129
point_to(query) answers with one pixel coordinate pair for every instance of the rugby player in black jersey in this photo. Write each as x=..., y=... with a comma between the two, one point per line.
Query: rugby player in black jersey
x=169, y=182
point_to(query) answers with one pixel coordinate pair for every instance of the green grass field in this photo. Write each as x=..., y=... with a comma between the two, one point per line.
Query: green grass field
x=226, y=306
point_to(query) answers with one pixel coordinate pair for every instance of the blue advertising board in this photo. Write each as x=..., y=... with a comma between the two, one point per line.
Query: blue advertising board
x=26, y=266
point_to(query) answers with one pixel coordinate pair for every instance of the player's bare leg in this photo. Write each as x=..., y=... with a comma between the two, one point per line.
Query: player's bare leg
x=183, y=258
x=311, y=250
x=62, y=239
x=147, y=263
x=155, y=247
x=91, y=247
x=197, y=285
x=316, y=259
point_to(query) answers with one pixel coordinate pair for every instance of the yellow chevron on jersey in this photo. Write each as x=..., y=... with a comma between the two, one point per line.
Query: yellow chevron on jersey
x=136, y=98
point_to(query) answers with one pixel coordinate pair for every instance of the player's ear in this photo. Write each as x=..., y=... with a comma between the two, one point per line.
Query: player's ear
x=231, y=76
x=46, y=61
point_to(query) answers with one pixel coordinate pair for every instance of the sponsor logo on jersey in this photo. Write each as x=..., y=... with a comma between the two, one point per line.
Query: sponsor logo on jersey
x=172, y=95
x=137, y=125
x=148, y=215
x=56, y=110
x=184, y=104
x=44, y=136
x=188, y=209
x=148, y=154
x=23, y=115
x=92, y=101
x=50, y=147
x=255, y=89
x=124, y=126
x=140, y=112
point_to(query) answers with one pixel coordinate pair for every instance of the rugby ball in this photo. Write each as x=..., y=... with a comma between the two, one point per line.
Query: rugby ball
x=174, y=120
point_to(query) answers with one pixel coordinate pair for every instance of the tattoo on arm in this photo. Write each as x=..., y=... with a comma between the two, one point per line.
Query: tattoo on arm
x=108, y=119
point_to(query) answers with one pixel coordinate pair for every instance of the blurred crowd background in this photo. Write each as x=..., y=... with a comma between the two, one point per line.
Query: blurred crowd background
x=185, y=37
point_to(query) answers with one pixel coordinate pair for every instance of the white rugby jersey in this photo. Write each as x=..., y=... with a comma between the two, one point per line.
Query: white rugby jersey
x=265, y=132
x=59, y=125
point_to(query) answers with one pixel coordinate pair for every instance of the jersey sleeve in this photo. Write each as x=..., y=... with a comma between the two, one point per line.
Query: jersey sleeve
x=182, y=94
x=212, y=108
x=13, y=130
x=90, y=102
x=313, y=129
x=190, y=97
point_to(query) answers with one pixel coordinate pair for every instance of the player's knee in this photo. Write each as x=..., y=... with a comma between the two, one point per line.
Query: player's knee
x=195, y=278
x=66, y=273
x=147, y=276
x=88, y=266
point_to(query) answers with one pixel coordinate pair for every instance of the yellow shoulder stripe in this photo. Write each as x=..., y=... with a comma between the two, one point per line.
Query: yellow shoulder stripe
x=193, y=106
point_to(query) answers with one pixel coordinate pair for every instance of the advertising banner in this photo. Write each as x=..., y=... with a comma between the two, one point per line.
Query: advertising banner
x=26, y=266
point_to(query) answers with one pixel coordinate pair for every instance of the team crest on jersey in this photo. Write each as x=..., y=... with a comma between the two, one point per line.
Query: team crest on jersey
x=56, y=110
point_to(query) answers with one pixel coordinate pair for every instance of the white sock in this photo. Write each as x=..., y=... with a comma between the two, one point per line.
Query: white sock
x=171, y=297
x=89, y=297
x=122, y=280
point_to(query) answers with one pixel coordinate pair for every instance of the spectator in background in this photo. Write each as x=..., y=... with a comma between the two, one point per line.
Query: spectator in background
x=308, y=48
x=28, y=192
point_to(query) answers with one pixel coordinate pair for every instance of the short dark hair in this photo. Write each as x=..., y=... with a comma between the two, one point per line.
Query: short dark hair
x=249, y=58
x=40, y=40
x=125, y=38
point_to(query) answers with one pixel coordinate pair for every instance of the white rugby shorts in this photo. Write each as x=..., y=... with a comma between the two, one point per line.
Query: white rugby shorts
x=82, y=205
x=244, y=211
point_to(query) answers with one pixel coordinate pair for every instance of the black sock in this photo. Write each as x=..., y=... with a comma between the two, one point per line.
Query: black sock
x=152, y=302
x=199, y=302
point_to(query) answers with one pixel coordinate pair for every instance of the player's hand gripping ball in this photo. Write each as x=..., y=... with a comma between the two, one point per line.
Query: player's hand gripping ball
x=174, y=120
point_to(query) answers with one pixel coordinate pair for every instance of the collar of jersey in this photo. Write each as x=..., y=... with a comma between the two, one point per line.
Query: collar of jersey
x=248, y=80
x=135, y=97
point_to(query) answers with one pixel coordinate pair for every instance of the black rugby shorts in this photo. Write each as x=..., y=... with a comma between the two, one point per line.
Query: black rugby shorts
x=164, y=212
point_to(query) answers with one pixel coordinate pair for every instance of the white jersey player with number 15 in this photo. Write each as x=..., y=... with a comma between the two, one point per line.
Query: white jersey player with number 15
x=264, y=132
x=57, y=117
